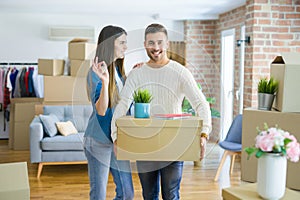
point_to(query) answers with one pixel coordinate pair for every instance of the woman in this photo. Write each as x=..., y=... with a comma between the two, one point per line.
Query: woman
x=105, y=80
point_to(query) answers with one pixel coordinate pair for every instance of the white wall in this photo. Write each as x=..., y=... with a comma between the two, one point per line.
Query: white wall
x=24, y=36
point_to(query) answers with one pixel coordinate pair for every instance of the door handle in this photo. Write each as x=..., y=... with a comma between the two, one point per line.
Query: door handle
x=237, y=94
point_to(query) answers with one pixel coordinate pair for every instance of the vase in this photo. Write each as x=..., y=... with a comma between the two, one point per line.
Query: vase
x=142, y=110
x=271, y=176
x=265, y=101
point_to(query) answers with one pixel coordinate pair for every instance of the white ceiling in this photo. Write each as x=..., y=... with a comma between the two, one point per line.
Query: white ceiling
x=157, y=9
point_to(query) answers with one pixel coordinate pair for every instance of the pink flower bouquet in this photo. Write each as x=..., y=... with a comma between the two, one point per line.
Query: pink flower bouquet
x=275, y=140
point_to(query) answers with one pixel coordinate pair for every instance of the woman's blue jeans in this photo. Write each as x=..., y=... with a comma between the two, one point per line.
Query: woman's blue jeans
x=168, y=173
x=101, y=160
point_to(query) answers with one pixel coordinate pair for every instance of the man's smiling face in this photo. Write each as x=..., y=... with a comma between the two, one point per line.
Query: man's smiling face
x=156, y=45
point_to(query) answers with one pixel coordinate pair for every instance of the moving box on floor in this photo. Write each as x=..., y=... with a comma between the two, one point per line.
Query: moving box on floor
x=14, y=182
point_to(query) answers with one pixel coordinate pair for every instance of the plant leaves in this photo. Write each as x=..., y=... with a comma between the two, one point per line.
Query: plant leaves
x=142, y=96
x=286, y=141
x=250, y=151
x=259, y=153
x=267, y=86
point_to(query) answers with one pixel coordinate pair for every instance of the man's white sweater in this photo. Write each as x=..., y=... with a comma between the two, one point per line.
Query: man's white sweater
x=168, y=85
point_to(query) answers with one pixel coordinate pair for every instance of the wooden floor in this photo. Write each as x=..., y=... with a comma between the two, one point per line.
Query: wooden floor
x=70, y=182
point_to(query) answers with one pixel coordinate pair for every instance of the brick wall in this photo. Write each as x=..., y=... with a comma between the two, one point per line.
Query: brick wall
x=200, y=59
x=203, y=55
x=274, y=27
x=200, y=45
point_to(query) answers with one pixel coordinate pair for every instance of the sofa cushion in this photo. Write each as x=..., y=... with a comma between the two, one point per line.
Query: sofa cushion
x=77, y=114
x=49, y=126
x=63, y=143
x=66, y=128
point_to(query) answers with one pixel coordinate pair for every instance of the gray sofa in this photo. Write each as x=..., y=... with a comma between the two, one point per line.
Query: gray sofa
x=48, y=146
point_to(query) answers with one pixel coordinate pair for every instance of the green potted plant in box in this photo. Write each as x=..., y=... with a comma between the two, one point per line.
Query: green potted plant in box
x=266, y=93
x=142, y=99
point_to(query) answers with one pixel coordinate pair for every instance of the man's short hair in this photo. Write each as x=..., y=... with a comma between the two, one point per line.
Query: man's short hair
x=155, y=28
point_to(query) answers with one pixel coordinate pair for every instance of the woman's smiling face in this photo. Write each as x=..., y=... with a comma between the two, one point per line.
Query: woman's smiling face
x=120, y=46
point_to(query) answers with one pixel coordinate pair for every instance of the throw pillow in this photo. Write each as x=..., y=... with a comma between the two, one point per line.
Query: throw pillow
x=48, y=122
x=66, y=128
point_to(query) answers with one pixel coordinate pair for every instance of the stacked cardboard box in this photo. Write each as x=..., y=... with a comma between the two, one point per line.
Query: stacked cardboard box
x=286, y=115
x=253, y=118
x=51, y=67
x=79, y=68
x=21, y=114
x=81, y=54
x=66, y=89
x=58, y=89
x=286, y=69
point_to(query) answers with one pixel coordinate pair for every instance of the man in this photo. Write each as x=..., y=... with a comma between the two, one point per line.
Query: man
x=169, y=82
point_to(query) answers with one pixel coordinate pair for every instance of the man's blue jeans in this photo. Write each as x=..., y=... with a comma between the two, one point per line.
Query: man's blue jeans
x=169, y=173
x=101, y=160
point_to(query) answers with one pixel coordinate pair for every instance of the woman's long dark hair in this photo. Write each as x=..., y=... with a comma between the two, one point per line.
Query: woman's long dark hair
x=105, y=52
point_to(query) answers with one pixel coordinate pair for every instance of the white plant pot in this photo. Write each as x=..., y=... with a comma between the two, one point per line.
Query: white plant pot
x=271, y=176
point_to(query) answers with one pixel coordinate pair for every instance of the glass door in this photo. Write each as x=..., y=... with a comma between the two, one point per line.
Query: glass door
x=227, y=79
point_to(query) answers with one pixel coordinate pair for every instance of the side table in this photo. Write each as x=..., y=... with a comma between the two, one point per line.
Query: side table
x=248, y=191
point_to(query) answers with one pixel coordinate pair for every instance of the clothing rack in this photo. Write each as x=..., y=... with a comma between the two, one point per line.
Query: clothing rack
x=18, y=63
x=15, y=70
